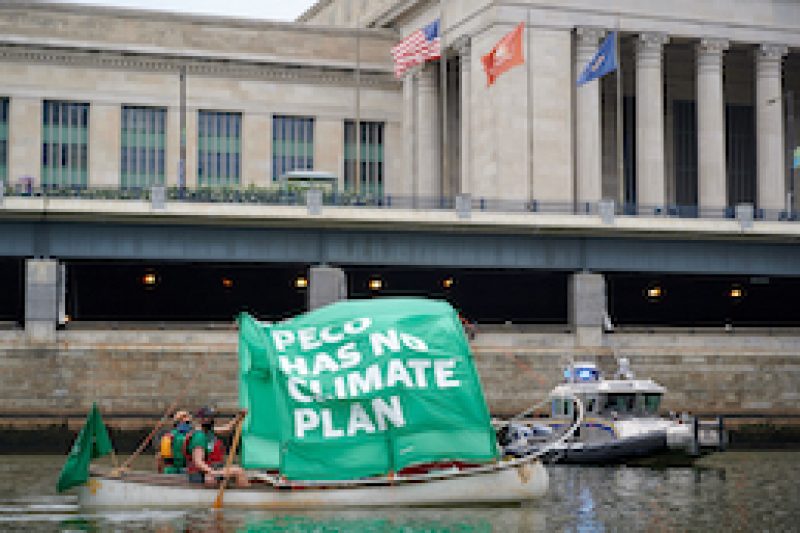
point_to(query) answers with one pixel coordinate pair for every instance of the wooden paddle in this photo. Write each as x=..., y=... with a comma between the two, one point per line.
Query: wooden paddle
x=146, y=441
x=228, y=463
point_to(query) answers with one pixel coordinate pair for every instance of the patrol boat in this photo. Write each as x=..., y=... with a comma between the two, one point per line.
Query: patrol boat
x=622, y=423
x=360, y=403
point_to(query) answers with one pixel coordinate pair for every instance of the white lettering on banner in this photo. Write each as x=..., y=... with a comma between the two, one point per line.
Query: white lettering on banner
x=282, y=339
x=338, y=385
x=359, y=325
x=294, y=391
x=308, y=340
x=324, y=363
x=371, y=382
x=327, y=335
x=304, y=420
x=413, y=343
x=328, y=431
x=419, y=366
x=348, y=356
x=396, y=372
x=389, y=340
x=359, y=420
x=443, y=371
x=383, y=412
x=299, y=366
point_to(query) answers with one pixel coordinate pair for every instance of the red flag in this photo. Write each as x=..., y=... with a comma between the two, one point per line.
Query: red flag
x=506, y=54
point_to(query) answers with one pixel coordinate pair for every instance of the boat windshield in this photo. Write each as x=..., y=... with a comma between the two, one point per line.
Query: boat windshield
x=652, y=403
x=647, y=403
x=621, y=403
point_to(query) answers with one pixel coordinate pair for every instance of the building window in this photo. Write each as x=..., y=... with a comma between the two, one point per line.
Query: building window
x=371, y=157
x=65, y=144
x=292, y=144
x=143, y=146
x=3, y=140
x=219, y=148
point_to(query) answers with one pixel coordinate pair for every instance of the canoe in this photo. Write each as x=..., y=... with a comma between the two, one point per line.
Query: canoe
x=499, y=485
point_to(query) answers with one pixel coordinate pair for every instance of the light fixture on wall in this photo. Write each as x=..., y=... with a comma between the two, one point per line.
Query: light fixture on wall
x=227, y=283
x=375, y=284
x=736, y=293
x=301, y=282
x=654, y=292
x=149, y=279
x=448, y=282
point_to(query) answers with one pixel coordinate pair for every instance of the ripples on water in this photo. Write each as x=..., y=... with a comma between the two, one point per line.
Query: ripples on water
x=734, y=491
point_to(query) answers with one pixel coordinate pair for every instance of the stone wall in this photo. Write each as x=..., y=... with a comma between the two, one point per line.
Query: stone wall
x=143, y=372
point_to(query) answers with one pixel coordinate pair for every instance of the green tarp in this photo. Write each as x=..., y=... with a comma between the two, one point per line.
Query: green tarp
x=92, y=442
x=361, y=388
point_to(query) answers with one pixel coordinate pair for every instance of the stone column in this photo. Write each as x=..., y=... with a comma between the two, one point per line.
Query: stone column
x=428, y=145
x=465, y=70
x=587, y=307
x=405, y=183
x=326, y=285
x=256, y=148
x=771, y=188
x=650, y=173
x=41, y=299
x=104, y=145
x=712, y=182
x=587, y=109
x=24, y=140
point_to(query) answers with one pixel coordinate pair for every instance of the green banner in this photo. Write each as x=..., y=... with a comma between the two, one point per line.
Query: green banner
x=92, y=442
x=361, y=388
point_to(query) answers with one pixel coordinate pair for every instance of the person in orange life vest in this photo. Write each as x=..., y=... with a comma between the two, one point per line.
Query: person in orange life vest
x=165, y=457
x=205, y=453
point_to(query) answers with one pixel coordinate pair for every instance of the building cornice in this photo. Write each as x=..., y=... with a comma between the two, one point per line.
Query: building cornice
x=391, y=13
x=48, y=7
x=209, y=66
x=313, y=10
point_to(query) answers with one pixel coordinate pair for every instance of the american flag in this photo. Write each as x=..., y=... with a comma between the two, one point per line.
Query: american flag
x=421, y=46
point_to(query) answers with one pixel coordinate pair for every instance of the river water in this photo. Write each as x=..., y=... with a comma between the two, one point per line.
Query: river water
x=731, y=491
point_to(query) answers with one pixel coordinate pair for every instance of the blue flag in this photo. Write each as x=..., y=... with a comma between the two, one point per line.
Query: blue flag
x=603, y=62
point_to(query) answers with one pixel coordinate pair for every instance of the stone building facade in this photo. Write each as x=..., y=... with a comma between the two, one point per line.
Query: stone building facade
x=109, y=99
x=710, y=91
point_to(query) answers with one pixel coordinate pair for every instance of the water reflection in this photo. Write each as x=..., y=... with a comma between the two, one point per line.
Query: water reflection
x=731, y=491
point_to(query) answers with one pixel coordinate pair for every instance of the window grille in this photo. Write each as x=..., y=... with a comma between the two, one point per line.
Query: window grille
x=65, y=144
x=292, y=144
x=142, y=147
x=219, y=142
x=371, y=157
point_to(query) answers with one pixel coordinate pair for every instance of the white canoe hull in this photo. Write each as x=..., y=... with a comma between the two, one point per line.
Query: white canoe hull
x=501, y=486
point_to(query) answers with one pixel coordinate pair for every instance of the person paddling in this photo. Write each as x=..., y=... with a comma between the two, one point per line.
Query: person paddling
x=205, y=454
x=168, y=457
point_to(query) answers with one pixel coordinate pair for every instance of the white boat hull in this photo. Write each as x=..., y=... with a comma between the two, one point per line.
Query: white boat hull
x=497, y=487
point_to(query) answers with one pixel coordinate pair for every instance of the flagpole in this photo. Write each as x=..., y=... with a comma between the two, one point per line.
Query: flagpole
x=528, y=66
x=443, y=87
x=620, y=153
x=358, y=106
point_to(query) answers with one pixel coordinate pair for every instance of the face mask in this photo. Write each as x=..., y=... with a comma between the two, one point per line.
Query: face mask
x=184, y=427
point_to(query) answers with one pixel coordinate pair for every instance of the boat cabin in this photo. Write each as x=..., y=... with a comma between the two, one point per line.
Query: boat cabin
x=622, y=397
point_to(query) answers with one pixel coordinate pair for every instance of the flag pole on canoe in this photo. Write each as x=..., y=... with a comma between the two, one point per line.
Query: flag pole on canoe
x=92, y=442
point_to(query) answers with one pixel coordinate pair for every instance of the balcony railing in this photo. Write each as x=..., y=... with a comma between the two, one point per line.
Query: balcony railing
x=464, y=204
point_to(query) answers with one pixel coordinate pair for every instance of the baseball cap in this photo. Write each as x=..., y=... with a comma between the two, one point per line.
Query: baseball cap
x=205, y=412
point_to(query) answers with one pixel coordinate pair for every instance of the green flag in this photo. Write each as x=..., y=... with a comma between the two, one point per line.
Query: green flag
x=92, y=442
x=361, y=388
